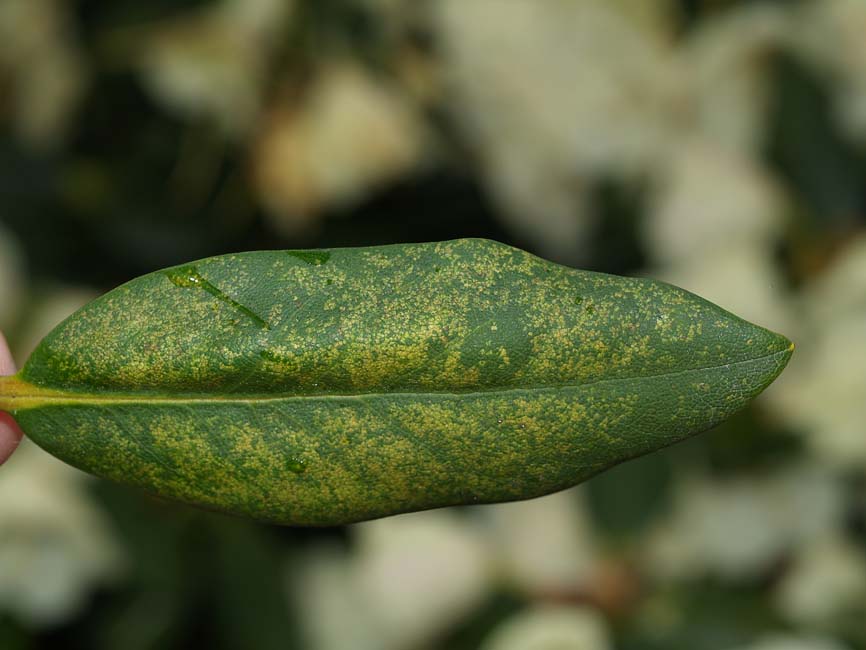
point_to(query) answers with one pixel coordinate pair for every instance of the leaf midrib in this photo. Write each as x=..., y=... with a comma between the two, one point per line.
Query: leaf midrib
x=47, y=397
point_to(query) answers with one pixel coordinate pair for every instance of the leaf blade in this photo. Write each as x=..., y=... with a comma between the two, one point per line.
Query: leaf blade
x=382, y=420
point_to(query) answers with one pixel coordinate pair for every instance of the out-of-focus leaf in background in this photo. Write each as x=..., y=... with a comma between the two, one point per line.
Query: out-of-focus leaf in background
x=56, y=545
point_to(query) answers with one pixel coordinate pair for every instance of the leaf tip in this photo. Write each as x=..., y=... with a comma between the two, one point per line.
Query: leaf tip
x=780, y=354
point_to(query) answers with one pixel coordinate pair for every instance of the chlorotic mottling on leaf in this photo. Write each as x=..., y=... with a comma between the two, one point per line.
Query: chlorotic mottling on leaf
x=327, y=387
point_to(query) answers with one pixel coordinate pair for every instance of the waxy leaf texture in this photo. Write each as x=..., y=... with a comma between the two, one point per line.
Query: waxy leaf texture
x=331, y=386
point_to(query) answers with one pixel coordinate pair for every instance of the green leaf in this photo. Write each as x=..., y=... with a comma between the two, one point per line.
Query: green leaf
x=325, y=387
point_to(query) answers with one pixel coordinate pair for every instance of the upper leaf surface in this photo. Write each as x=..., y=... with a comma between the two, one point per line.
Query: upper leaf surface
x=456, y=316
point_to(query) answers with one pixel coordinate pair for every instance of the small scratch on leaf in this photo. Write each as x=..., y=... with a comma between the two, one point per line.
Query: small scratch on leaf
x=189, y=276
x=315, y=258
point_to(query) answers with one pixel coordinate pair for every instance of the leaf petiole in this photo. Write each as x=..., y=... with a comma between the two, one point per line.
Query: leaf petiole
x=15, y=393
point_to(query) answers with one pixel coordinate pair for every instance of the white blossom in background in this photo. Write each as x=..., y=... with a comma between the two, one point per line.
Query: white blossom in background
x=424, y=571
x=50, y=306
x=710, y=228
x=585, y=91
x=407, y=579
x=734, y=528
x=709, y=199
x=822, y=394
x=728, y=59
x=551, y=628
x=551, y=99
x=349, y=135
x=742, y=280
x=543, y=545
x=323, y=596
x=212, y=63
x=827, y=579
x=12, y=279
x=263, y=18
x=42, y=68
x=838, y=293
x=55, y=545
x=829, y=36
x=781, y=642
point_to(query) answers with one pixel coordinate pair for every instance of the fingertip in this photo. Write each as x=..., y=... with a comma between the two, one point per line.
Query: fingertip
x=10, y=436
x=10, y=432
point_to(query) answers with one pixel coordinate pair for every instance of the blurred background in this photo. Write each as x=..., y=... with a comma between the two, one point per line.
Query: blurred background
x=716, y=144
